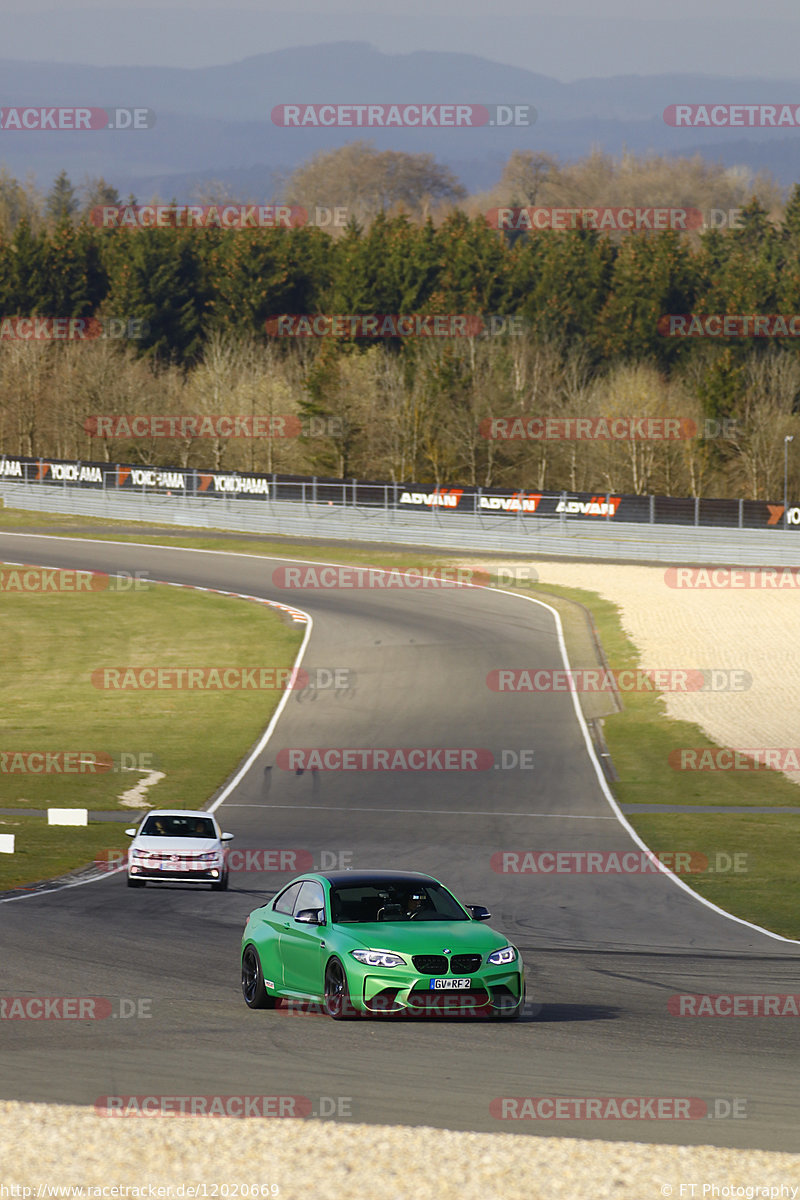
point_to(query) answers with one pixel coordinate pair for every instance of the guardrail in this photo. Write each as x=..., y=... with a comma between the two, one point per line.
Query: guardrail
x=537, y=537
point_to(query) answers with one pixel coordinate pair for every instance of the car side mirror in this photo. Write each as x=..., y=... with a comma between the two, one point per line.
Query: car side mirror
x=226, y=837
x=479, y=913
x=131, y=832
x=309, y=916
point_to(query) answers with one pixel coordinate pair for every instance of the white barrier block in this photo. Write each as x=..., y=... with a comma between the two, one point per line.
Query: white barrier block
x=67, y=816
x=6, y=843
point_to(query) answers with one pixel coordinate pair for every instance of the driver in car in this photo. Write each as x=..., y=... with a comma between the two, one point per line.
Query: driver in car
x=417, y=903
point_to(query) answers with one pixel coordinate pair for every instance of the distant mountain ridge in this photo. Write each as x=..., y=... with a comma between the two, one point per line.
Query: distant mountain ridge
x=215, y=122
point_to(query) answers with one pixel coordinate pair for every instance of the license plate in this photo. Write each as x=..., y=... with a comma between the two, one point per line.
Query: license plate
x=449, y=985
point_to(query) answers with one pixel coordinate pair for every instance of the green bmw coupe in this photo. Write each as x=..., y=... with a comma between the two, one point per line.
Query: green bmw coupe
x=379, y=942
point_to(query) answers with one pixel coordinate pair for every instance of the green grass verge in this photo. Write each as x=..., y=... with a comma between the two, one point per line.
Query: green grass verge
x=45, y=851
x=48, y=701
x=752, y=862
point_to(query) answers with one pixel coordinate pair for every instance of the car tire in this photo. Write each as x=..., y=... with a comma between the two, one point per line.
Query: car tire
x=253, y=987
x=337, y=1002
x=135, y=882
x=222, y=885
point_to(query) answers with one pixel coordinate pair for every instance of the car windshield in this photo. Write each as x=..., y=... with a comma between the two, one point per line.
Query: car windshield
x=393, y=900
x=190, y=826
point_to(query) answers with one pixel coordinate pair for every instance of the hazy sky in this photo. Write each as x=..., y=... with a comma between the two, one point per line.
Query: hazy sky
x=575, y=38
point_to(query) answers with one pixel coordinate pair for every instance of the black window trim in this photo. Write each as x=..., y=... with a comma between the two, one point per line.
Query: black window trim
x=302, y=882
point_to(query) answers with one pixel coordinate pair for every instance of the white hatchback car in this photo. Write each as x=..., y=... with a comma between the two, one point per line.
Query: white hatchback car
x=178, y=845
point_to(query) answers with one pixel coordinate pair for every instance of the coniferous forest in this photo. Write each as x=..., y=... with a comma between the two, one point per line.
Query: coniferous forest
x=585, y=339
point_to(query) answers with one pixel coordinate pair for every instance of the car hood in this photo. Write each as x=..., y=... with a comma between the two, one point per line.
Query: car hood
x=177, y=845
x=427, y=937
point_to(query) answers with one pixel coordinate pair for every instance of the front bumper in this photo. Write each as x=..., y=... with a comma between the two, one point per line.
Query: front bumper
x=207, y=872
x=403, y=990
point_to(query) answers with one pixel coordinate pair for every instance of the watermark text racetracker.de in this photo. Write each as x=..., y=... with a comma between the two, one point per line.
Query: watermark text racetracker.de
x=273, y=1106
x=618, y=862
x=633, y=679
x=212, y=425
x=24, y=579
x=218, y=216
x=620, y=219
x=617, y=1108
x=71, y=329
x=402, y=116
x=75, y=119
x=729, y=325
x=725, y=578
x=402, y=758
x=603, y=429
x=74, y=1008
x=221, y=678
x=75, y=762
x=450, y=1007
x=395, y=325
x=273, y=860
x=736, y=116
x=727, y=1004
x=724, y=758
x=325, y=577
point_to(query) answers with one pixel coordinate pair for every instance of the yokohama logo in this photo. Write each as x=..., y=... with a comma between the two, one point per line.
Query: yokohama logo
x=149, y=477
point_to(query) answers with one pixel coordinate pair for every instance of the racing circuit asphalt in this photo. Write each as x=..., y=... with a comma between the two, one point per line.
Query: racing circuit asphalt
x=603, y=952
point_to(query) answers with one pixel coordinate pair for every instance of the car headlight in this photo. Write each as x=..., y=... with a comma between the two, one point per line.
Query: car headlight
x=499, y=958
x=378, y=958
x=206, y=857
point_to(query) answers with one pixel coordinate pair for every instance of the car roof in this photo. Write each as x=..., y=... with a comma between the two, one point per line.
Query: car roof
x=361, y=877
x=177, y=812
